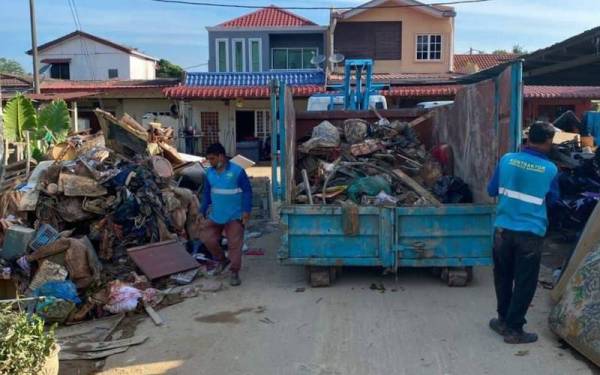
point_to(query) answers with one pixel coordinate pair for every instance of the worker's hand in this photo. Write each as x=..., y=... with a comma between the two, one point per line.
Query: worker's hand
x=245, y=218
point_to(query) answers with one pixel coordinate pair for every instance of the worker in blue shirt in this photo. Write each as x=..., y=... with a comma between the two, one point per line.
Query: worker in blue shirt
x=228, y=194
x=525, y=183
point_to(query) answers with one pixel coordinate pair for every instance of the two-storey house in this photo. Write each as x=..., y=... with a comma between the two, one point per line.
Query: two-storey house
x=267, y=39
x=401, y=36
x=85, y=57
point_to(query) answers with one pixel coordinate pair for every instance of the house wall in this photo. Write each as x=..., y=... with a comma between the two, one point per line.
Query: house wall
x=91, y=60
x=269, y=40
x=534, y=108
x=140, y=68
x=227, y=109
x=137, y=108
x=414, y=22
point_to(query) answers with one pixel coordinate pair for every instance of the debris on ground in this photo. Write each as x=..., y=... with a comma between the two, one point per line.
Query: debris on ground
x=107, y=225
x=381, y=163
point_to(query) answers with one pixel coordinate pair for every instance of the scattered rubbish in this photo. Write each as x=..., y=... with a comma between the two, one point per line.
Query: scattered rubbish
x=183, y=278
x=122, y=298
x=249, y=235
x=522, y=353
x=65, y=290
x=16, y=239
x=300, y=290
x=378, y=287
x=324, y=135
x=266, y=321
x=153, y=314
x=48, y=271
x=319, y=300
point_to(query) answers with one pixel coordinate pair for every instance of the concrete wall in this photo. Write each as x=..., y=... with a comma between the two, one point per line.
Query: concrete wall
x=414, y=22
x=269, y=40
x=91, y=60
x=532, y=107
x=140, y=68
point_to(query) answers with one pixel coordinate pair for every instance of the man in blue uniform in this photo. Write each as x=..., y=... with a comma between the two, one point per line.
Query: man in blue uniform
x=228, y=193
x=524, y=182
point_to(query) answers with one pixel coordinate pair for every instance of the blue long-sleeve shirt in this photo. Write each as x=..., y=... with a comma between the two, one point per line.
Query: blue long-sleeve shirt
x=228, y=194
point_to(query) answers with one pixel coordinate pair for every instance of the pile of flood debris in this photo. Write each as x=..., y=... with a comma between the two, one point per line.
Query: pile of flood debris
x=103, y=225
x=382, y=163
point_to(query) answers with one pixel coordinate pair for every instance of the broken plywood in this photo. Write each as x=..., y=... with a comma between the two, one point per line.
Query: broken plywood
x=162, y=258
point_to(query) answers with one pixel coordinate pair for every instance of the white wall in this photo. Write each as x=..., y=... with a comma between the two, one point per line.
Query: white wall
x=91, y=60
x=140, y=68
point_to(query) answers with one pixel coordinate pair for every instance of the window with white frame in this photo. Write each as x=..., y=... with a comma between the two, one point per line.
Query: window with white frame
x=222, y=55
x=239, y=55
x=255, y=54
x=262, y=124
x=293, y=58
x=429, y=47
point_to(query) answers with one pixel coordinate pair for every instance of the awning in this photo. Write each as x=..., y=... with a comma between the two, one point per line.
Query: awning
x=61, y=95
x=249, y=92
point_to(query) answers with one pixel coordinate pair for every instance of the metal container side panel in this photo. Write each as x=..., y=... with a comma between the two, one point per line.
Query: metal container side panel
x=315, y=235
x=452, y=235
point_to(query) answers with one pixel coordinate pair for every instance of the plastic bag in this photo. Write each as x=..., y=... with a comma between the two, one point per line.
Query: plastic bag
x=452, y=190
x=65, y=290
x=355, y=130
x=122, y=298
x=384, y=199
x=370, y=185
x=323, y=135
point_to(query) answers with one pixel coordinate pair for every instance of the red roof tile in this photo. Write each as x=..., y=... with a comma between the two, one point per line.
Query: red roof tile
x=9, y=80
x=482, y=61
x=562, y=92
x=422, y=91
x=270, y=16
x=232, y=92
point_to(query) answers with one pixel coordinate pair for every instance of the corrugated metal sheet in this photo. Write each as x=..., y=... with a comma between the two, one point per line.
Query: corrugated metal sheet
x=301, y=77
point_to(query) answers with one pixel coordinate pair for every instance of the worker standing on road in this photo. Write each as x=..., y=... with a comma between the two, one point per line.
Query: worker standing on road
x=228, y=193
x=524, y=182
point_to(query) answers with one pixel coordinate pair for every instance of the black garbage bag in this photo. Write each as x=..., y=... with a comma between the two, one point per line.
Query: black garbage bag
x=450, y=189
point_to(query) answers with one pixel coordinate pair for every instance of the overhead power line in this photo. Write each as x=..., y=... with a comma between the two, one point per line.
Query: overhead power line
x=247, y=6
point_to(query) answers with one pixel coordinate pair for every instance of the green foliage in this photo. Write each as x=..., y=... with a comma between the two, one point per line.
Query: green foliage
x=518, y=49
x=19, y=116
x=54, y=121
x=47, y=127
x=24, y=343
x=167, y=69
x=11, y=66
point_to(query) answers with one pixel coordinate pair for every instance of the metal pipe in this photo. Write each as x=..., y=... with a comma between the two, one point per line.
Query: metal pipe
x=34, y=50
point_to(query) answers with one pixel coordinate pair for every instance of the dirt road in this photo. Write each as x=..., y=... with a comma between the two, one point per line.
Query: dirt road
x=275, y=324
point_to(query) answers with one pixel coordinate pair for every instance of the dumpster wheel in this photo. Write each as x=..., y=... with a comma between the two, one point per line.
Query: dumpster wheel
x=319, y=276
x=457, y=276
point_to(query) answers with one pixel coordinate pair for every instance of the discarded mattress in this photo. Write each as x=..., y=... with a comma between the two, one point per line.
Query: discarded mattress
x=576, y=318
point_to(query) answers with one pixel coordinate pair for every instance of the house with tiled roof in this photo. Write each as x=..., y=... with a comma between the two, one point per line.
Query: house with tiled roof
x=270, y=38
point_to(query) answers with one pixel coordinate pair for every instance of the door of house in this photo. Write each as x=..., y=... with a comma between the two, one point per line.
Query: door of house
x=209, y=130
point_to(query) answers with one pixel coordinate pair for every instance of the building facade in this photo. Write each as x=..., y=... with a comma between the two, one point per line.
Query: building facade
x=269, y=39
x=86, y=57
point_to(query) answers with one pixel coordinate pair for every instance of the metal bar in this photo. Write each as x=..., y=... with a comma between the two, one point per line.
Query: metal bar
x=516, y=112
x=274, y=137
x=34, y=49
x=307, y=186
x=282, y=142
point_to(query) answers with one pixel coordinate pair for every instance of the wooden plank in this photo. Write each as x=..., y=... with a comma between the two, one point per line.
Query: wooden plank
x=90, y=330
x=416, y=187
x=590, y=238
x=572, y=63
x=69, y=356
x=420, y=119
x=307, y=186
x=153, y=315
x=560, y=137
x=93, y=346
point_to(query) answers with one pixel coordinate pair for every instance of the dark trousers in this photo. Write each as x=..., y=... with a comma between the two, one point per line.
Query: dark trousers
x=517, y=257
x=234, y=232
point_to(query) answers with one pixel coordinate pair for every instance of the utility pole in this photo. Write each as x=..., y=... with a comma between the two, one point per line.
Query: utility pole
x=36, y=69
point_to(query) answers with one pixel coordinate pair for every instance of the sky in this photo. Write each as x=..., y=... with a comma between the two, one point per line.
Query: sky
x=178, y=33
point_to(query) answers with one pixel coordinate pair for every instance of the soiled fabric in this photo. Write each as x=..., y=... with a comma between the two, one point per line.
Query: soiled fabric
x=576, y=318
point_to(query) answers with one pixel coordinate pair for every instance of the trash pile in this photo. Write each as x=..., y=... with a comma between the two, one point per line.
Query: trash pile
x=76, y=232
x=382, y=163
x=579, y=181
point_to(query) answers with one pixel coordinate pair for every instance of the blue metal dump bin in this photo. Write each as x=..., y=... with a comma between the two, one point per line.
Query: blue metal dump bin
x=450, y=238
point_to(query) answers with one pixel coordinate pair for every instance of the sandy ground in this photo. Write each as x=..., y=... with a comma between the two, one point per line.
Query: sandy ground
x=275, y=324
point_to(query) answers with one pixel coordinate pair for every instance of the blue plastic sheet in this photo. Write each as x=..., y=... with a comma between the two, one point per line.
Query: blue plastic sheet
x=65, y=290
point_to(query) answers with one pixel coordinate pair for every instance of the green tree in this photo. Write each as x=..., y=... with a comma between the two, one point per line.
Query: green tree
x=11, y=66
x=518, y=49
x=167, y=69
